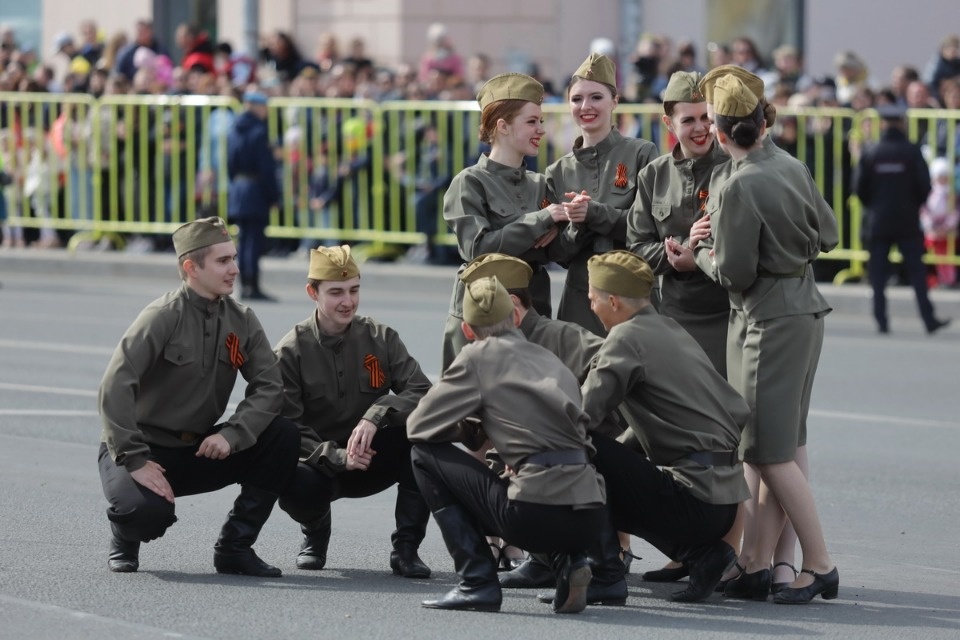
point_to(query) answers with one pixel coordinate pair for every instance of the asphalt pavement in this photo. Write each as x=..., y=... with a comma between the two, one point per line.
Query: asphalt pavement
x=884, y=432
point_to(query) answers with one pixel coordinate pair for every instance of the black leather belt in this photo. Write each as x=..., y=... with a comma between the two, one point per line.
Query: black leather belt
x=799, y=273
x=554, y=458
x=714, y=458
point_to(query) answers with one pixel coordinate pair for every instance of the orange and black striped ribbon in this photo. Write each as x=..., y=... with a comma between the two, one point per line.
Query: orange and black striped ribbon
x=236, y=356
x=372, y=364
x=704, y=194
x=621, y=180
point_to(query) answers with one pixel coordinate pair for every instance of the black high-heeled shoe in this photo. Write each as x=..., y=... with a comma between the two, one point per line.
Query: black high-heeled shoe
x=749, y=586
x=777, y=587
x=722, y=585
x=825, y=585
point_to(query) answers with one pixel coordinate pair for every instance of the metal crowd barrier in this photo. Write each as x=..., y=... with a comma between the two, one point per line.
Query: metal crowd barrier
x=350, y=170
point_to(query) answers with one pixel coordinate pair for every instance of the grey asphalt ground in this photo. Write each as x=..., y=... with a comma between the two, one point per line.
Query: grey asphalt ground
x=884, y=441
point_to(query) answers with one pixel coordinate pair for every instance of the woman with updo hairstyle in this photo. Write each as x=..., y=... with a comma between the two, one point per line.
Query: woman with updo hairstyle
x=496, y=205
x=596, y=183
x=769, y=222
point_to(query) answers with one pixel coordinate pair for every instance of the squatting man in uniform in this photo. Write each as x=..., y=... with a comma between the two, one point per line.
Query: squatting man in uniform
x=528, y=404
x=167, y=384
x=338, y=371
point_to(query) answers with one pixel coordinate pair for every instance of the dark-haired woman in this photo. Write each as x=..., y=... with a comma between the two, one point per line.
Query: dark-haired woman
x=769, y=223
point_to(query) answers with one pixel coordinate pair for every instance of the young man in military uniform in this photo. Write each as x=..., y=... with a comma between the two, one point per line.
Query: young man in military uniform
x=681, y=496
x=168, y=383
x=338, y=372
x=551, y=499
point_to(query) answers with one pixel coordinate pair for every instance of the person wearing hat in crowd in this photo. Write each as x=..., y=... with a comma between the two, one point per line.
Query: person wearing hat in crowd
x=576, y=348
x=338, y=371
x=167, y=384
x=700, y=243
x=892, y=181
x=769, y=223
x=550, y=500
x=672, y=194
x=595, y=182
x=681, y=492
x=253, y=191
x=496, y=204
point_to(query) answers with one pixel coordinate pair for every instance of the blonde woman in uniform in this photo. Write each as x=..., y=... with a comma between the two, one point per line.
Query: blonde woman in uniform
x=769, y=222
x=596, y=182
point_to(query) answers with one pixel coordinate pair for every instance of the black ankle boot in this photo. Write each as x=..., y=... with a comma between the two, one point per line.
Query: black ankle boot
x=533, y=573
x=478, y=589
x=124, y=554
x=706, y=569
x=412, y=515
x=316, y=540
x=749, y=586
x=233, y=552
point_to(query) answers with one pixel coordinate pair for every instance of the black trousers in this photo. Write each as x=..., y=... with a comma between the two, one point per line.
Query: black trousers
x=648, y=503
x=878, y=267
x=309, y=494
x=448, y=475
x=140, y=514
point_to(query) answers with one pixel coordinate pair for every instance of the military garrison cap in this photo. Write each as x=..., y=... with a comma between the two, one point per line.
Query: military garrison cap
x=510, y=86
x=684, y=86
x=598, y=68
x=513, y=273
x=709, y=80
x=486, y=302
x=732, y=98
x=621, y=273
x=198, y=234
x=332, y=263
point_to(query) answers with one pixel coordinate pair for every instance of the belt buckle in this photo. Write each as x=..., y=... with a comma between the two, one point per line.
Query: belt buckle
x=188, y=437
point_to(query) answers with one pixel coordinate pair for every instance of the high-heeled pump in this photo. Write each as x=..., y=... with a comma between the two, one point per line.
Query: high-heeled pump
x=749, y=586
x=825, y=585
x=722, y=585
x=777, y=587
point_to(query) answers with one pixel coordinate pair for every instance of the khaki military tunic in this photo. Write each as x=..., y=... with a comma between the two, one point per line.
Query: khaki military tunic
x=330, y=383
x=769, y=223
x=528, y=402
x=608, y=173
x=674, y=401
x=575, y=346
x=493, y=208
x=671, y=195
x=171, y=376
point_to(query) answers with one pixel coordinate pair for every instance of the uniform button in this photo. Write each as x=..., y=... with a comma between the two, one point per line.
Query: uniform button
x=179, y=358
x=340, y=373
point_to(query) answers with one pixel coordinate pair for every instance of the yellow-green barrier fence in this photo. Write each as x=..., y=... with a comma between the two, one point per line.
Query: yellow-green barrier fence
x=350, y=170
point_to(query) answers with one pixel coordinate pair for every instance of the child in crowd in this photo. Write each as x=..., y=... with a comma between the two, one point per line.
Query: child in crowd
x=939, y=218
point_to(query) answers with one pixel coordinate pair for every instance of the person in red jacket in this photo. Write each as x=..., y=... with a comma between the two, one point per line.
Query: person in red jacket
x=198, y=50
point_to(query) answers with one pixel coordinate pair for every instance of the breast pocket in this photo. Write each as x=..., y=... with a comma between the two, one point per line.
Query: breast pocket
x=179, y=354
x=661, y=212
x=623, y=197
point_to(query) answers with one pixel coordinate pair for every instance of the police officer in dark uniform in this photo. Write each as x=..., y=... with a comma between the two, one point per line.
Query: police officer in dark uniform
x=892, y=181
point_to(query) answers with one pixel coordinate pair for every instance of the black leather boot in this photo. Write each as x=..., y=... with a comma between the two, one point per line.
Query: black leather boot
x=233, y=552
x=573, y=576
x=534, y=573
x=412, y=515
x=124, y=554
x=608, y=586
x=316, y=540
x=478, y=589
x=706, y=568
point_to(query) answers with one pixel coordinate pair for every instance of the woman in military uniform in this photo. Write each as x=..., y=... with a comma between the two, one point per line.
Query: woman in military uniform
x=769, y=222
x=497, y=205
x=596, y=181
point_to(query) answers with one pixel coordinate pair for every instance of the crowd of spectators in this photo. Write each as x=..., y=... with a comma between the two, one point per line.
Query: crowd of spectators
x=97, y=64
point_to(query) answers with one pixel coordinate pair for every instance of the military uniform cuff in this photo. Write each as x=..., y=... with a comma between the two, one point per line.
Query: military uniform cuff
x=376, y=415
x=134, y=462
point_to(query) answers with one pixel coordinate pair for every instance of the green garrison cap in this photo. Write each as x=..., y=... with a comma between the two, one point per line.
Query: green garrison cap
x=684, y=86
x=752, y=82
x=732, y=98
x=510, y=86
x=332, y=263
x=598, y=68
x=513, y=273
x=621, y=273
x=199, y=234
x=486, y=302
